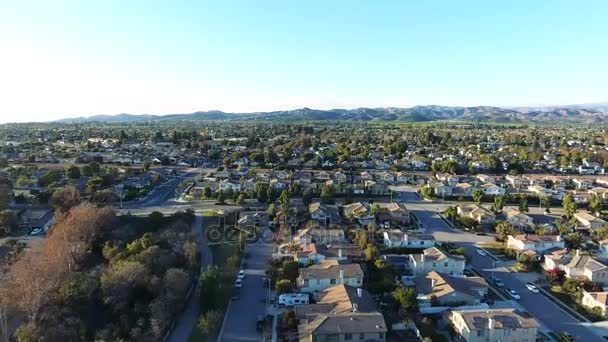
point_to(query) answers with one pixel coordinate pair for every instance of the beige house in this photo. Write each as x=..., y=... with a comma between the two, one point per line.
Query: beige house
x=328, y=273
x=589, y=221
x=450, y=291
x=595, y=300
x=477, y=213
x=536, y=243
x=398, y=238
x=394, y=213
x=494, y=325
x=584, y=266
x=434, y=259
x=341, y=313
x=517, y=218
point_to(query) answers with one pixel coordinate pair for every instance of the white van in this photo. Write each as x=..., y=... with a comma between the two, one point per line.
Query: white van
x=293, y=298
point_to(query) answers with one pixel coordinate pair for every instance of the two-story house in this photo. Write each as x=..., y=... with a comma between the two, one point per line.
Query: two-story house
x=536, y=243
x=319, y=277
x=441, y=289
x=494, y=325
x=434, y=259
x=398, y=238
x=517, y=218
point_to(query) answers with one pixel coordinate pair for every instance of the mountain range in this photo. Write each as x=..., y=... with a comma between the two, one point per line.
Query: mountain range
x=581, y=114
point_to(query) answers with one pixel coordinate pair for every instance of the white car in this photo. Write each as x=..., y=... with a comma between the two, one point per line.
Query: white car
x=532, y=288
x=241, y=274
x=481, y=252
x=513, y=294
x=238, y=283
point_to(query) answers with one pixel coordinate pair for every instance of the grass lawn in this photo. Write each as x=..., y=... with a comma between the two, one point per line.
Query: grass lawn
x=497, y=249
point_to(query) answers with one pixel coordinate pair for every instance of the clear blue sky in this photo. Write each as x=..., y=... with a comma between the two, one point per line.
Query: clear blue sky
x=72, y=58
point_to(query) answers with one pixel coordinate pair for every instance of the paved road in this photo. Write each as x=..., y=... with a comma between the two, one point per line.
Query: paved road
x=540, y=306
x=241, y=315
x=186, y=322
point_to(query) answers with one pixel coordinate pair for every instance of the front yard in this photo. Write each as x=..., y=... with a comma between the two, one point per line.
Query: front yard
x=572, y=302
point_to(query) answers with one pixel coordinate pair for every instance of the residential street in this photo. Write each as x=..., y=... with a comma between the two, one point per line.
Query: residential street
x=241, y=315
x=537, y=304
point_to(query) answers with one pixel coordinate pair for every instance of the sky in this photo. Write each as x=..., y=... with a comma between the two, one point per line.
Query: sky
x=78, y=58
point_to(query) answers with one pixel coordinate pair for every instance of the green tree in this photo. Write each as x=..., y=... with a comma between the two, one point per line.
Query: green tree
x=72, y=172
x=261, y=190
x=574, y=240
x=503, y=230
x=146, y=166
x=240, y=199
x=595, y=204
x=8, y=220
x=427, y=192
x=327, y=193
x=371, y=252
x=22, y=181
x=307, y=197
x=284, y=199
x=207, y=193
x=407, y=299
x=523, y=205
x=569, y=205
x=499, y=203
x=221, y=197
x=451, y=213
x=209, y=321
x=283, y=286
x=478, y=196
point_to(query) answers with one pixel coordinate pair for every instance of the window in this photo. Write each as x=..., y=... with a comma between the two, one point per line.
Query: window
x=445, y=264
x=332, y=281
x=362, y=336
x=381, y=335
x=479, y=333
x=348, y=337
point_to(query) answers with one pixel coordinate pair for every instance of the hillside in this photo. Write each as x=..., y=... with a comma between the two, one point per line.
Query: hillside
x=597, y=113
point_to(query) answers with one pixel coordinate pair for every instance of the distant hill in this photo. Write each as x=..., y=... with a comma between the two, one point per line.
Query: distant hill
x=593, y=113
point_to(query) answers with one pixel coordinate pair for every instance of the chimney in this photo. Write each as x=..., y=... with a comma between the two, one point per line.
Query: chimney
x=422, y=257
x=341, y=276
x=355, y=307
x=578, y=252
x=433, y=283
x=559, y=238
x=491, y=323
x=359, y=292
x=340, y=253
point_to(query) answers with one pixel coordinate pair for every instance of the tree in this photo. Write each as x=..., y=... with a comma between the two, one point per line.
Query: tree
x=545, y=202
x=523, y=205
x=451, y=213
x=209, y=321
x=146, y=166
x=375, y=209
x=371, y=252
x=499, y=203
x=569, y=205
x=284, y=199
x=283, y=286
x=221, y=197
x=207, y=193
x=326, y=193
x=574, y=240
x=261, y=190
x=407, y=299
x=6, y=193
x=503, y=230
x=595, y=204
x=307, y=197
x=478, y=196
x=8, y=220
x=22, y=181
x=64, y=199
x=72, y=172
x=427, y=192
x=240, y=199
x=570, y=285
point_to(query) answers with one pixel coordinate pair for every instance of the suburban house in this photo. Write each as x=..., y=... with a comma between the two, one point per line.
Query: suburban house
x=360, y=212
x=36, y=218
x=434, y=259
x=536, y=243
x=517, y=218
x=495, y=325
x=322, y=236
x=322, y=214
x=398, y=238
x=394, y=213
x=589, y=221
x=308, y=254
x=230, y=184
x=319, y=277
x=440, y=289
x=595, y=300
x=477, y=213
x=583, y=266
x=492, y=189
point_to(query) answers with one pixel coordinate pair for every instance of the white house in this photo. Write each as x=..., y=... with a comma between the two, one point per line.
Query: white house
x=536, y=243
x=433, y=259
x=517, y=218
x=229, y=184
x=319, y=277
x=397, y=238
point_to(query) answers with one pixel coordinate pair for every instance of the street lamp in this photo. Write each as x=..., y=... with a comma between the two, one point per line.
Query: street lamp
x=493, y=267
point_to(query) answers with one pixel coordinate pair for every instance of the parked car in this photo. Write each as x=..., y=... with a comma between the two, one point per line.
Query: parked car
x=481, y=252
x=513, y=294
x=238, y=283
x=498, y=282
x=241, y=274
x=532, y=288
